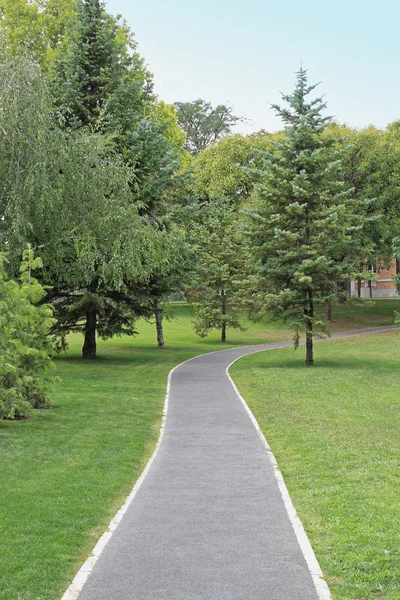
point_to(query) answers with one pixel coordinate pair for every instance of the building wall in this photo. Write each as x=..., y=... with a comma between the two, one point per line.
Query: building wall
x=383, y=287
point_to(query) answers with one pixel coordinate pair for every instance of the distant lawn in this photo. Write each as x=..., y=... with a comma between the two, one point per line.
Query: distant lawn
x=65, y=472
x=335, y=431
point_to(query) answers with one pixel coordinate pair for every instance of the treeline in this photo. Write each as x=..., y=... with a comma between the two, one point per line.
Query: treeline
x=126, y=200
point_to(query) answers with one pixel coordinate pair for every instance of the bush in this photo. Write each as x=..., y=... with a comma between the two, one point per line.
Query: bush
x=24, y=345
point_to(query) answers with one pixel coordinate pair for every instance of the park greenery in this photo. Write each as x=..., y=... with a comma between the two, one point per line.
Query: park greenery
x=128, y=200
x=113, y=203
x=24, y=345
x=108, y=412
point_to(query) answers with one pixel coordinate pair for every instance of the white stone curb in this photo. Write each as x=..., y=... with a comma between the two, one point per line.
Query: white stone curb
x=313, y=566
x=80, y=578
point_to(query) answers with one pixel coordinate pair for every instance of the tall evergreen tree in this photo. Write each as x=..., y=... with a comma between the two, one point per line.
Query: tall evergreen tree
x=99, y=78
x=102, y=86
x=302, y=219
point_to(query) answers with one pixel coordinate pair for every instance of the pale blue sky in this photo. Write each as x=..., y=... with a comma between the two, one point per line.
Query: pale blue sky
x=245, y=52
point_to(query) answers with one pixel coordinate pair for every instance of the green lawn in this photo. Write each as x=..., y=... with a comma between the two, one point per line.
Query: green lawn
x=65, y=472
x=335, y=431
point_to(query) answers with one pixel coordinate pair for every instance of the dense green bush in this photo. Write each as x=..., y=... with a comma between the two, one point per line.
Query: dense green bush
x=24, y=345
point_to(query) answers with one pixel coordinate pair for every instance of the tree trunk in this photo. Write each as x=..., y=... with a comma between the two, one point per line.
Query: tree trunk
x=309, y=314
x=370, y=288
x=89, y=346
x=397, y=266
x=159, y=326
x=341, y=288
x=328, y=312
x=359, y=287
x=223, y=310
x=223, y=333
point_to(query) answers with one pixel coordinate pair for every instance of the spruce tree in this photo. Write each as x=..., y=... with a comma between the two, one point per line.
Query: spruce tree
x=302, y=219
x=99, y=79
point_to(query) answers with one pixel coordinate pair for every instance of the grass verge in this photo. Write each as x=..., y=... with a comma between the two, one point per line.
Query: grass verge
x=65, y=472
x=335, y=431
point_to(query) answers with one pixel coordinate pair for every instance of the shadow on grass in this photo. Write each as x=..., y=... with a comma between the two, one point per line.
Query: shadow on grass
x=345, y=364
x=138, y=354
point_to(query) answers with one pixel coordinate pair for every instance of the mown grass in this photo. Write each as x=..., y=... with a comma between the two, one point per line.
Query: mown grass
x=335, y=431
x=65, y=472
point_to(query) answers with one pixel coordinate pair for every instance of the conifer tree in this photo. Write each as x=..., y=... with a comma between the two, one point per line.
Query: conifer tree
x=220, y=262
x=302, y=219
x=99, y=78
x=102, y=86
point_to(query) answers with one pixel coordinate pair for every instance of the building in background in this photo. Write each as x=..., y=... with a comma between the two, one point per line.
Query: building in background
x=381, y=287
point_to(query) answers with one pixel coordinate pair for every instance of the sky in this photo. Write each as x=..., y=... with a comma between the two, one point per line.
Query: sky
x=245, y=53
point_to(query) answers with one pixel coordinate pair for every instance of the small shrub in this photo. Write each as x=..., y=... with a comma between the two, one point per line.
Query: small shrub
x=24, y=345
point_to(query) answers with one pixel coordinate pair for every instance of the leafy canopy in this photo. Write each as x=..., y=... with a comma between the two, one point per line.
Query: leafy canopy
x=204, y=124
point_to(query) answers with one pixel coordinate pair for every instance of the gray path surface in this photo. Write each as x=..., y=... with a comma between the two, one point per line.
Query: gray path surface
x=208, y=522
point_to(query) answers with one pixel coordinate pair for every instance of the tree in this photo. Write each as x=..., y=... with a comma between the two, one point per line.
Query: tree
x=373, y=169
x=24, y=344
x=34, y=29
x=204, y=124
x=168, y=279
x=72, y=199
x=229, y=168
x=107, y=249
x=220, y=261
x=303, y=218
x=102, y=86
x=99, y=78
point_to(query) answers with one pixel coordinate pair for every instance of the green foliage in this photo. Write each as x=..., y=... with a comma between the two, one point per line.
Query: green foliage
x=228, y=168
x=24, y=345
x=32, y=153
x=204, y=124
x=371, y=168
x=100, y=83
x=95, y=218
x=99, y=79
x=220, y=260
x=106, y=249
x=161, y=112
x=34, y=28
x=303, y=218
x=101, y=86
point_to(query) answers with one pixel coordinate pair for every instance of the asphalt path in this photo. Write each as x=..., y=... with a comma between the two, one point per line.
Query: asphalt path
x=208, y=521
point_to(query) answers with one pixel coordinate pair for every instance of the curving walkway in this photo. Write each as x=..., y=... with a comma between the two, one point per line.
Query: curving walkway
x=208, y=522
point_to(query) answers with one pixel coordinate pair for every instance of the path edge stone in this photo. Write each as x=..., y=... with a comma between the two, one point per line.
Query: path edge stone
x=313, y=565
x=76, y=586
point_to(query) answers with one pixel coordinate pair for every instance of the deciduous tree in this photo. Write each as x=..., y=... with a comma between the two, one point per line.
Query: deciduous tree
x=204, y=123
x=24, y=343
